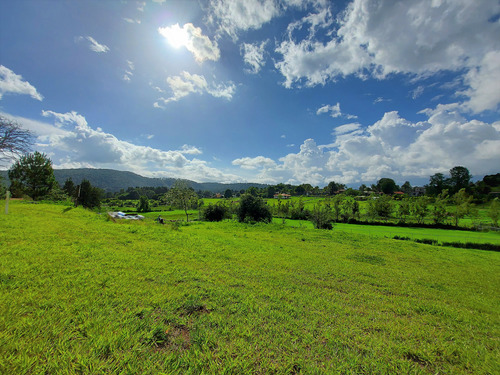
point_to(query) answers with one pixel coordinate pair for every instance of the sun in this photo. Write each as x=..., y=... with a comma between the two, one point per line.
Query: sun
x=176, y=36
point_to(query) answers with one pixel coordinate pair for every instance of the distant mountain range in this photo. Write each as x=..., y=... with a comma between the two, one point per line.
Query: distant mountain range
x=113, y=181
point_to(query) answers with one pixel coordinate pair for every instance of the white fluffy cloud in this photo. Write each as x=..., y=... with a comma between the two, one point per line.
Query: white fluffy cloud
x=484, y=83
x=392, y=147
x=13, y=83
x=72, y=143
x=187, y=83
x=94, y=45
x=418, y=38
x=193, y=39
x=233, y=16
x=254, y=163
x=334, y=111
x=253, y=55
x=190, y=150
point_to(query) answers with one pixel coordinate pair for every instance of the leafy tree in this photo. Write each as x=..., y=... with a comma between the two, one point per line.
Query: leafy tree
x=88, y=196
x=3, y=188
x=403, y=210
x=333, y=187
x=69, y=187
x=282, y=209
x=321, y=216
x=459, y=179
x=14, y=140
x=143, y=205
x=228, y=193
x=437, y=183
x=494, y=212
x=492, y=180
x=270, y=191
x=406, y=188
x=298, y=210
x=253, y=209
x=252, y=190
x=182, y=196
x=199, y=205
x=380, y=207
x=439, y=213
x=461, y=207
x=349, y=209
x=386, y=186
x=419, y=209
x=215, y=212
x=32, y=175
x=337, y=206
x=351, y=192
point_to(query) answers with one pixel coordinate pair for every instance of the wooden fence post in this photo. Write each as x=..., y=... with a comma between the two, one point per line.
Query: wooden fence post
x=7, y=198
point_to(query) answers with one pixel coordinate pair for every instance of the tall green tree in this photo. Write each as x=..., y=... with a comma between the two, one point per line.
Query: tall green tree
x=32, y=175
x=439, y=212
x=461, y=206
x=386, y=186
x=437, y=183
x=228, y=193
x=332, y=187
x=182, y=196
x=406, y=188
x=87, y=195
x=419, y=208
x=403, y=210
x=460, y=178
x=69, y=187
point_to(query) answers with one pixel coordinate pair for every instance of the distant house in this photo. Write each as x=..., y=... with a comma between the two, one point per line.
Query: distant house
x=418, y=191
x=282, y=196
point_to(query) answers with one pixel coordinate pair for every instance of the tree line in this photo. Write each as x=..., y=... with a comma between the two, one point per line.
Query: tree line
x=447, y=198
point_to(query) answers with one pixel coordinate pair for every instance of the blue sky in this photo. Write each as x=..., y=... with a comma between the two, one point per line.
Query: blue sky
x=293, y=91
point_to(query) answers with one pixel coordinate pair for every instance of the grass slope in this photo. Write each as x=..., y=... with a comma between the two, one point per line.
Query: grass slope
x=81, y=294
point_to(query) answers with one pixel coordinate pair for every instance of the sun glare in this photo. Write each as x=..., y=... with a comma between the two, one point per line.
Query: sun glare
x=175, y=35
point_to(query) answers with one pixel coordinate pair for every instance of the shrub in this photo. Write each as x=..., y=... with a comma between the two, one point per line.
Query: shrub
x=321, y=217
x=215, y=212
x=253, y=209
x=143, y=205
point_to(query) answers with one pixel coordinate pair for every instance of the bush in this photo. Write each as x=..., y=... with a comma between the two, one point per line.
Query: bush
x=321, y=217
x=253, y=209
x=215, y=212
x=143, y=205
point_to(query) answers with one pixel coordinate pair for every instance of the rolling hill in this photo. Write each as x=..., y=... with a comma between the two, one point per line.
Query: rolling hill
x=113, y=180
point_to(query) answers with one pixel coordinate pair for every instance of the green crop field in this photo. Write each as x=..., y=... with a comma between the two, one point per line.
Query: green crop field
x=80, y=293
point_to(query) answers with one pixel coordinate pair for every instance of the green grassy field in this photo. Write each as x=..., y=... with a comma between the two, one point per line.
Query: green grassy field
x=440, y=235
x=83, y=294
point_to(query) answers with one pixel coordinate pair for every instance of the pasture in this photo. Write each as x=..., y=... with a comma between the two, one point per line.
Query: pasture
x=82, y=294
